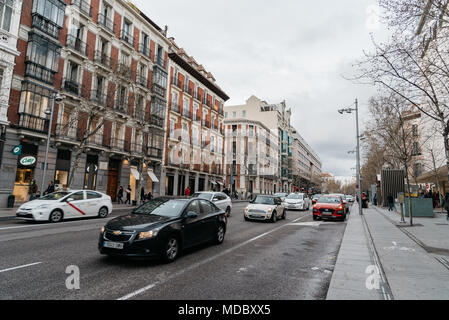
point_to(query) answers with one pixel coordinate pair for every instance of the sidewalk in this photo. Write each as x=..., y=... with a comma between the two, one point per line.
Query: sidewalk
x=408, y=270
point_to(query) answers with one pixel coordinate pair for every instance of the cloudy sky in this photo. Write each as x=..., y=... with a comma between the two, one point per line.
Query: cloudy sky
x=297, y=50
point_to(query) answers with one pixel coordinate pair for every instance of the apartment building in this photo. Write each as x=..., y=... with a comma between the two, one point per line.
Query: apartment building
x=108, y=62
x=306, y=164
x=253, y=166
x=276, y=117
x=195, y=133
x=9, y=29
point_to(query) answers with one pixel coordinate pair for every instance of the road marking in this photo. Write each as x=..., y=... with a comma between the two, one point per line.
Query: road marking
x=20, y=267
x=65, y=223
x=306, y=224
x=196, y=265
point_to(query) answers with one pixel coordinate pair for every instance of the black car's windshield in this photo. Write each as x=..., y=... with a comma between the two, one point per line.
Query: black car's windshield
x=328, y=200
x=55, y=195
x=202, y=195
x=295, y=196
x=263, y=200
x=162, y=207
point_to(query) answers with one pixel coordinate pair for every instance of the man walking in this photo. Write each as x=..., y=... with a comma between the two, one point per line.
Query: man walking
x=128, y=195
x=390, y=201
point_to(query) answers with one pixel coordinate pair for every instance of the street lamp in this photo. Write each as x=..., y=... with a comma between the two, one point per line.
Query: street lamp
x=359, y=189
x=50, y=112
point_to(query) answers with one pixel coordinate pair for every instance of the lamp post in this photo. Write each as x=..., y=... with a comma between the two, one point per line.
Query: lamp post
x=56, y=97
x=359, y=189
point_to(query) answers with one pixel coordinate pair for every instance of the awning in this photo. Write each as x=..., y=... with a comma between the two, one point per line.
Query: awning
x=135, y=173
x=152, y=176
x=212, y=181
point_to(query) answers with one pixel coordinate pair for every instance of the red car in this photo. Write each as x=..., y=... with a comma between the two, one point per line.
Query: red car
x=329, y=207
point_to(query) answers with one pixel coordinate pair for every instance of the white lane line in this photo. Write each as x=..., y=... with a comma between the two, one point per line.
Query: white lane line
x=66, y=223
x=196, y=265
x=20, y=267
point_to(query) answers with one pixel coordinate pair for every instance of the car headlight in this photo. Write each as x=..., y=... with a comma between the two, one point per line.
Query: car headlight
x=269, y=210
x=102, y=229
x=148, y=234
x=246, y=209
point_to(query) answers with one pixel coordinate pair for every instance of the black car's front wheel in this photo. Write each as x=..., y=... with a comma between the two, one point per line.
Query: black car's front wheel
x=220, y=234
x=171, y=249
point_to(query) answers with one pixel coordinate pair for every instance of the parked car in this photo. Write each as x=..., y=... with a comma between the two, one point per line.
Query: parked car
x=265, y=207
x=329, y=207
x=349, y=198
x=162, y=228
x=315, y=198
x=297, y=201
x=281, y=195
x=220, y=199
x=68, y=204
x=345, y=202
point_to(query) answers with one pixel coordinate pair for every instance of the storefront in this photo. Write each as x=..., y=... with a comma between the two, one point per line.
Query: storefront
x=113, y=178
x=150, y=181
x=90, y=176
x=62, y=168
x=134, y=176
x=25, y=171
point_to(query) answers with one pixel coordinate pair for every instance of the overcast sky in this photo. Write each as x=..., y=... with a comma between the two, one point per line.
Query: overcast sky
x=297, y=50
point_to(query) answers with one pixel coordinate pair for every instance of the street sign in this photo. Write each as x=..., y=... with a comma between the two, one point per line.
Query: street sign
x=17, y=150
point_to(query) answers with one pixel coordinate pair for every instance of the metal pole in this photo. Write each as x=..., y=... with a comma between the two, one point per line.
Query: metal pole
x=358, y=157
x=48, y=143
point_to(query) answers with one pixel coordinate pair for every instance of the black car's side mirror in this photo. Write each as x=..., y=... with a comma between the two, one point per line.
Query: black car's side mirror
x=191, y=215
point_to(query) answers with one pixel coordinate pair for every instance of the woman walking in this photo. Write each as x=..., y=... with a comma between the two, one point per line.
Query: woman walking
x=120, y=195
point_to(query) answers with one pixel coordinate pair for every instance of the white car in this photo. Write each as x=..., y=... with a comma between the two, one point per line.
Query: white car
x=60, y=205
x=265, y=208
x=220, y=199
x=350, y=198
x=297, y=201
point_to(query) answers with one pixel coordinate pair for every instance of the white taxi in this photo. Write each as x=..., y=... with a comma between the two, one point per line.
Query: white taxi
x=69, y=204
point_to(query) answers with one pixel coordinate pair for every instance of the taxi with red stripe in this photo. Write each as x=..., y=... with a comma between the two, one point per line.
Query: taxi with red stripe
x=66, y=204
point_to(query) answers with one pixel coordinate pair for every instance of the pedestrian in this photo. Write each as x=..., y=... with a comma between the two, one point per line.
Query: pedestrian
x=128, y=195
x=50, y=188
x=32, y=191
x=187, y=191
x=446, y=204
x=120, y=195
x=375, y=199
x=142, y=194
x=390, y=201
x=149, y=196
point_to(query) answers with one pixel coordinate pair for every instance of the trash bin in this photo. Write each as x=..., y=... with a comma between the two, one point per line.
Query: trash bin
x=11, y=200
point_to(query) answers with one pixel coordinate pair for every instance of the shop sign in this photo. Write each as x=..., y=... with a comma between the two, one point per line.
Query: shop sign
x=27, y=161
x=17, y=150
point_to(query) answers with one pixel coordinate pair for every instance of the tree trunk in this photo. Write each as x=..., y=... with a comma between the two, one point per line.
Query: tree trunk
x=138, y=183
x=410, y=211
x=437, y=178
x=73, y=167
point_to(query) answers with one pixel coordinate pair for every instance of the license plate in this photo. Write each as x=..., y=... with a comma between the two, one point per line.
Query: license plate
x=113, y=245
x=327, y=213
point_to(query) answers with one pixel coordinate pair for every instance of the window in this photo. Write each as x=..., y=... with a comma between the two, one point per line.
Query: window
x=207, y=207
x=234, y=114
x=244, y=113
x=77, y=196
x=92, y=195
x=1, y=78
x=6, y=8
x=43, y=52
x=194, y=206
x=34, y=99
x=52, y=10
x=226, y=114
x=415, y=130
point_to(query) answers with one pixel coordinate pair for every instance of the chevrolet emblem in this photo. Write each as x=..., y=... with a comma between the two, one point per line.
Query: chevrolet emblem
x=117, y=233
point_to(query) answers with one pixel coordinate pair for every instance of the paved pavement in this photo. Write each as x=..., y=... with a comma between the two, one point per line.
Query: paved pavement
x=291, y=259
x=412, y=261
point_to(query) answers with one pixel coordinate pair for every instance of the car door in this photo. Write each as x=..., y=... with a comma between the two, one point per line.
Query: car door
x=209, y=219
x=279, y=207
x=93, y=203
x=192, y=227
x=220, y=201
x=75, y=208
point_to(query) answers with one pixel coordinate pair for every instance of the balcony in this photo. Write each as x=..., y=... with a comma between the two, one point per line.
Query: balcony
x=121, y=105
x=206, y=123
x=76, y=44
x=154, y=152
x=160, y=61
x=103, y=59
x=66, y=132
x=143, y=81
x=33, y=122
x=137, y=148
x=39, y=72
x=45, y=25
x=83, y=6
x=125, y=71
x=127, y=37
x=71, y=86
x=197, y=96
x=143, y=49
x=159, y=90
x=97, y=97
x=120, y=145
x=186, y=112
x=106, y=23
x=175, y=107
x=156, y=121
x=140, y=116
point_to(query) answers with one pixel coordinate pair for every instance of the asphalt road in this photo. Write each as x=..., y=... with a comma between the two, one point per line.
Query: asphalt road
x=258, y=260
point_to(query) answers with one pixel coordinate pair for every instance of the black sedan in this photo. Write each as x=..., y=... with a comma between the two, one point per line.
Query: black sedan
x=162, y=227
